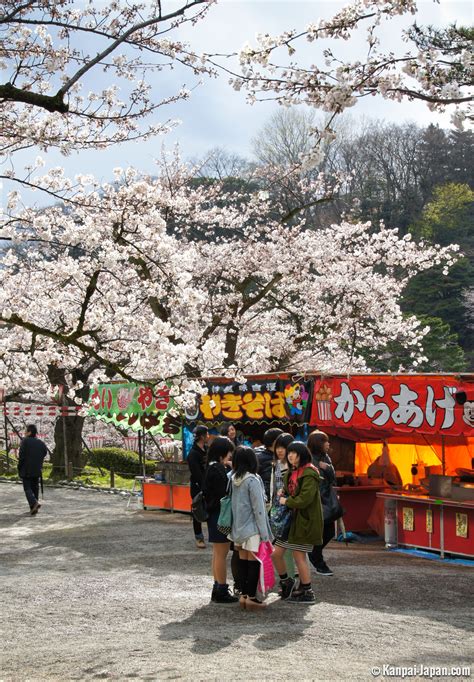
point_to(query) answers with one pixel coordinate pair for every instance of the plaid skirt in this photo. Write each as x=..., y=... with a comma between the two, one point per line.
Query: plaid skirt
x=293, y=546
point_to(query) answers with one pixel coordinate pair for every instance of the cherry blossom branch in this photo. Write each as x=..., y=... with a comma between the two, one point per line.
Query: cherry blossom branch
x=68, y=340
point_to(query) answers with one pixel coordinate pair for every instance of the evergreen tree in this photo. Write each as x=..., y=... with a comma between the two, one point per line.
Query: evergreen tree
x=461, y=153
x=442, y=350
x=447, y=219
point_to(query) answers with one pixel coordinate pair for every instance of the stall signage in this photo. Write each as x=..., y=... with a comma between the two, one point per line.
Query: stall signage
x=276, y=400
x=404, y=404
x=132, y=406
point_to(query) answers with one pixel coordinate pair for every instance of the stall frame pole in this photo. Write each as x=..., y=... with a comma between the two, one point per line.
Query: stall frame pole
x=441, y=531
x=144, y=452
x=66, y=461
x=443, y=455
x=5, y=424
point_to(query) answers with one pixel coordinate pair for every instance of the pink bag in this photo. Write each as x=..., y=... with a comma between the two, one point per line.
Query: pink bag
x=267, y=574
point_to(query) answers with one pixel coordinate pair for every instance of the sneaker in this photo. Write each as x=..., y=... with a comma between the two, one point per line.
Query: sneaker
x=303, y=597
x=223, y=596
x=323, y=569
x=237, y=592
x=200, y=544
x=286, y=586
x=213, y=593
x=35, y=509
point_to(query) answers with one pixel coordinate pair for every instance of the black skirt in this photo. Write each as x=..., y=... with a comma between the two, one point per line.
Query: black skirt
x=214, y=534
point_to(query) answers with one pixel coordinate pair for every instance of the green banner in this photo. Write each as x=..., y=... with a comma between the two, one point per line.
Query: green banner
x=135, y=407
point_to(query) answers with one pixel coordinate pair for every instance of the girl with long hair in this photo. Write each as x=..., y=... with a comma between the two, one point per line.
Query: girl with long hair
x=300, y=494
x=214, y=488
x=280, y=462
x=250, y=525
x=318, y=445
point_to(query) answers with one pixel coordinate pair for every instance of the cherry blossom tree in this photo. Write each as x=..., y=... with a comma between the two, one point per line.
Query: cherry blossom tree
x=168, y=280
x=81, y=76
x=162, y=279
x=53, y=51
x=436, y=68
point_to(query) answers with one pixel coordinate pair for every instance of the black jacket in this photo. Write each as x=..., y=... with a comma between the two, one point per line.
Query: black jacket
x=215, y=485
x=30, y=460
x=265, y=465
x=197, y=466
x=328, y=478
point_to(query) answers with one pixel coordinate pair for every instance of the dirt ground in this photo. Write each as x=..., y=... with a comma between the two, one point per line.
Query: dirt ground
x=89, y=590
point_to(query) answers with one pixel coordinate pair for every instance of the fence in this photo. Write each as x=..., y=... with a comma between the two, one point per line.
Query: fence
x=131, y=443
x=164, y=450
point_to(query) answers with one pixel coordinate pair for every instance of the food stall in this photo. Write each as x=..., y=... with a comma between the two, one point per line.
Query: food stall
x=261, y=402
x=430, y=522
x=143, y=410
x=420, y=420
x=427, y=425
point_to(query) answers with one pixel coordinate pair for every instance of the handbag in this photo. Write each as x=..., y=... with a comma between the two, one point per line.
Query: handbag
x=332, y=508
x=198, y=507
x=224, y=521
x=280, y=521
x=266, y=578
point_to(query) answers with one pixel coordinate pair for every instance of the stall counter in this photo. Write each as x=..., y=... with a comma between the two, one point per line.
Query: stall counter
x=171, y=497
x=358, y=502
x=422, y=522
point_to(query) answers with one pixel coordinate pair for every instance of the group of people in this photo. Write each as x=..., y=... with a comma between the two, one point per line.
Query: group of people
x=282, y=472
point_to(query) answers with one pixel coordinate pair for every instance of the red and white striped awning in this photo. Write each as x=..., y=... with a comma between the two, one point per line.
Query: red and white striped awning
x=26, y=410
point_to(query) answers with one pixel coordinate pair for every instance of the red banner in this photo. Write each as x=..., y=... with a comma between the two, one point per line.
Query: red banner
x=380, y=405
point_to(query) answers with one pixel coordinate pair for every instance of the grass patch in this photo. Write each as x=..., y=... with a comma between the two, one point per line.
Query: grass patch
x=92, y=476
x=89, y=476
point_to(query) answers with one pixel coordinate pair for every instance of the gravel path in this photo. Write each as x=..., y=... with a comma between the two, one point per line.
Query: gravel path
x=89, y=590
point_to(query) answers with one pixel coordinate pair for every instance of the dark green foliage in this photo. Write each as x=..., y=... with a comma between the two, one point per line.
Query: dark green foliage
x=440, y=345
x=432, y=293
x=123, y=462
x=447, y=218
x=12, y=460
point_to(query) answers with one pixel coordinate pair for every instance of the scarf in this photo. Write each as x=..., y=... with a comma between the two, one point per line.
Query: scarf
x=296, y=475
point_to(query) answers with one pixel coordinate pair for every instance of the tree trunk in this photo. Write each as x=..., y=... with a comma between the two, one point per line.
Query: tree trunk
x=231, y=338
x=73, y=431
x=68, y=428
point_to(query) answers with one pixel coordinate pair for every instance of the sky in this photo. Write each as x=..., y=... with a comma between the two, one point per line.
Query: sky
x=218, y=116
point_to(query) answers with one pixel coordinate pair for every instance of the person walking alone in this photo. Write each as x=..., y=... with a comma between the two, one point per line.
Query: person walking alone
x=30, y=466
x=197, y=460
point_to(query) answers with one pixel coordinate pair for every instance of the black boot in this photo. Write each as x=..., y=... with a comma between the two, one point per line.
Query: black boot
x=235, y=568
x=223, y=595
x=286, y=586
x=243, y=576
